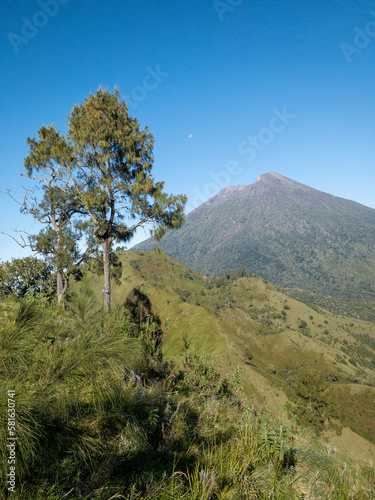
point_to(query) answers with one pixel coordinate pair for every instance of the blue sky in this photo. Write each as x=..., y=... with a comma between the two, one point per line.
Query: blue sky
x=230, y=89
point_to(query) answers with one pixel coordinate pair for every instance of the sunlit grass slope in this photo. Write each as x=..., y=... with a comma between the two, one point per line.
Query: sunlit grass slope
x=244, y=321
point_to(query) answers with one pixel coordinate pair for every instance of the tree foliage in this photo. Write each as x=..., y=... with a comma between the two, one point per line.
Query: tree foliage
x=26, y=276
x=50, y=163
x=113, y=161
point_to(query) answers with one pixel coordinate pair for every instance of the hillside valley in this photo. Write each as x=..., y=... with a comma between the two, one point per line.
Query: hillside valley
x=217, y=385
x=244, y=321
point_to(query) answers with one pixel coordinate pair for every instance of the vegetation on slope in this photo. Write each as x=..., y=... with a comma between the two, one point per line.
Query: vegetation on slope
x=101, y=414
x=243, y=320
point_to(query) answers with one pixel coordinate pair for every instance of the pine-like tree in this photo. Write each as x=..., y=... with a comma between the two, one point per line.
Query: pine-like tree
x=114, y=159
x=50, y=162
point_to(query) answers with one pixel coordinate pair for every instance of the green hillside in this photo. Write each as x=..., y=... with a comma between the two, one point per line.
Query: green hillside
x=189, y=388
x=295, y=236
x=244, y=321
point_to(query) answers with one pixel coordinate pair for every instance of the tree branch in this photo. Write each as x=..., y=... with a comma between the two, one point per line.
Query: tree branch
x=23, y=244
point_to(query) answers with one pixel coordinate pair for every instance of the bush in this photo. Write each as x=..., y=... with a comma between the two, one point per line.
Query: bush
x=313, y=405
x=27, y=277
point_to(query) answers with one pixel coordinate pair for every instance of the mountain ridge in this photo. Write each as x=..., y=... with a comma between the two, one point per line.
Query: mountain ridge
x=296, y=236
x=270, y=180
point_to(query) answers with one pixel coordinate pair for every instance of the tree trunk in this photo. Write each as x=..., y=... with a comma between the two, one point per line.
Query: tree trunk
x=107, y=275
x=61, y=280
x=61, y=289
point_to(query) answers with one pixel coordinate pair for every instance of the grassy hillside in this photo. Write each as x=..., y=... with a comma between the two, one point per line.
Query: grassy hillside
x=191, y=388
x=273, y=338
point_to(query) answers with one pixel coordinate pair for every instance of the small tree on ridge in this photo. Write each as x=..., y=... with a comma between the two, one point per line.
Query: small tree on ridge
x=50, y=162
x=114, y=158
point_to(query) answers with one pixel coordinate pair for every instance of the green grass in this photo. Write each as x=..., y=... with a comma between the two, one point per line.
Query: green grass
x=209, y=404
x=247, y=313
x=100, y=415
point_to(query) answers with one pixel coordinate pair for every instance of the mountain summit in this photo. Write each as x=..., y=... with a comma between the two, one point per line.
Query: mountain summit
x=292, y=234
x=272, y=182
x=266, y=185
x=280, y=182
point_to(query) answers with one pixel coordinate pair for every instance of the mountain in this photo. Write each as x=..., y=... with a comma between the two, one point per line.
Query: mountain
x=295, y=236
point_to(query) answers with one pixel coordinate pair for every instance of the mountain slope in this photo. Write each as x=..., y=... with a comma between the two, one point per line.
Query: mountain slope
x=294, y=235
x=244, y=321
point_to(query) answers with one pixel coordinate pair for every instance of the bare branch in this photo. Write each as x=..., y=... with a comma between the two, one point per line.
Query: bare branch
x=34, y=177
x=10, y=195
x=23, y=244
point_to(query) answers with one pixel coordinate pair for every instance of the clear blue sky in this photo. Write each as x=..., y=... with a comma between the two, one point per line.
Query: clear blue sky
x=231, y=89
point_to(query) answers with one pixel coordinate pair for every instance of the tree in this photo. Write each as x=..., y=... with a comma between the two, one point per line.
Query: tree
x=61, y=250
x=25, y=276
x=51, y=161
x=114, y=158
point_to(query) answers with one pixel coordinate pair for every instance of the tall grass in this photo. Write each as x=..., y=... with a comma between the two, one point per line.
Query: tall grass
x=55, y=369
x=101, y=415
